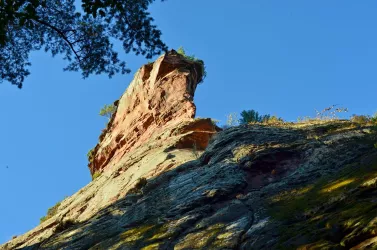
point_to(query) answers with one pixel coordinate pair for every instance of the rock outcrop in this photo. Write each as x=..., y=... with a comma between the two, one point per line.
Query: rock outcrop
x=159, y=98
x=287, y=186
x=152, y=131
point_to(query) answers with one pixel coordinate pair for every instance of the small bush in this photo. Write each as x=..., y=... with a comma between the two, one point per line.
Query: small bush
x=90, y=155
x=360, y=119
x=274, y=120
x=182, y=52
x=252, y=116
x=108, y=110
x=305, y=119
x=330, y=113
x=374, y=118
x=327, y=114
x=231, y=120
x=96, y=175
x=50, y=212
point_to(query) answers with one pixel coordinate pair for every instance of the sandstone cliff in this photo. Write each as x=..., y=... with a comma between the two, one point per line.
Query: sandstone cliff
x=307, y=186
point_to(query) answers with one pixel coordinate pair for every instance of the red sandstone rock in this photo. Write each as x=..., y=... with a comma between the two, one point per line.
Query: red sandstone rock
x=152, y=131
x=159, y=97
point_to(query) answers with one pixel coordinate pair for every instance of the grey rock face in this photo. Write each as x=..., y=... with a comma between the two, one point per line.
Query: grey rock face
x=251, y=187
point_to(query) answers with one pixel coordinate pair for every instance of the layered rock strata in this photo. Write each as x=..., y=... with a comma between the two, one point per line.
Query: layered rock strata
x=152, y=131
x=283, y=186
x=159, y=98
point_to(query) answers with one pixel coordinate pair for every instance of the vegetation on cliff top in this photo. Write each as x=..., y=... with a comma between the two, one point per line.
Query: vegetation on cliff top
x=182, y=52
x=328, y=114
x=329, y=205
x=251, y=116
x=50, y=212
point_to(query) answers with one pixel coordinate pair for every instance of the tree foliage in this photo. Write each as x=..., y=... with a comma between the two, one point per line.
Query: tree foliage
x=85, y=39
x=251, y=116
x=248, y=116
x=108, y=110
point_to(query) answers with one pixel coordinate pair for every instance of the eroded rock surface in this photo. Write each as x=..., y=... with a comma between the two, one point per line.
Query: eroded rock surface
x=152, y=131
x=291, y=186
x=159, y=98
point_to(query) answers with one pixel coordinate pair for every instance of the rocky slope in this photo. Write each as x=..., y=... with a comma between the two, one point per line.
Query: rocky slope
x=283, y=186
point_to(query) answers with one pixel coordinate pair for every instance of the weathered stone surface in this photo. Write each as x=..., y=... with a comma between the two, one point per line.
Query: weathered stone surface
x=160, y=95
x=255, y=187
x=292, y=186
x=152, y=131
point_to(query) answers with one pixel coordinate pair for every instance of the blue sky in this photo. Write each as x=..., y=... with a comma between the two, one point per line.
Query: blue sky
x=280, y=57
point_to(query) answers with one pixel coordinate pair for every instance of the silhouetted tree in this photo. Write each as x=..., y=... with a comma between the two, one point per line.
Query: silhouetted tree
x=84, y=39
x=252, y=116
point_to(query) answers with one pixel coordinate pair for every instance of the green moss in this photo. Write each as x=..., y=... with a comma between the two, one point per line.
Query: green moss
x=319, y=245
x=201, y=239
x=135, y=234
x=96, y=175
x=360, y=119
x=148, y=236
x=339, y=208
x=161, y=233
x=90, y=155
x=192, y=58
x=154, y=246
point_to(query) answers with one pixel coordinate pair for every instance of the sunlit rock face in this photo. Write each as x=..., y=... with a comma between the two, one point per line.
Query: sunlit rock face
x=159, y=98
x=169, y=181
x=152, y=131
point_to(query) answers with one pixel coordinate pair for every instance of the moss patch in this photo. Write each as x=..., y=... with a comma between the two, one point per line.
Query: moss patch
x=96, y=175
x=333, y=212
x=148, y=236
x=200, y=240
x=154, y=246
x=136, y=233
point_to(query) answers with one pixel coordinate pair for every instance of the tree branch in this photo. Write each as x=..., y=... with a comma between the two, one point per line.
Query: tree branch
x=61, y=33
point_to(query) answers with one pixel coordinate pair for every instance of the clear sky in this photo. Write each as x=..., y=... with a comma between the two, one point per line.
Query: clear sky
x=279, y=57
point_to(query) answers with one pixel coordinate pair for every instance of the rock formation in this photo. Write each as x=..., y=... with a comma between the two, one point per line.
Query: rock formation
x=159, y=98
x=289, y=186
